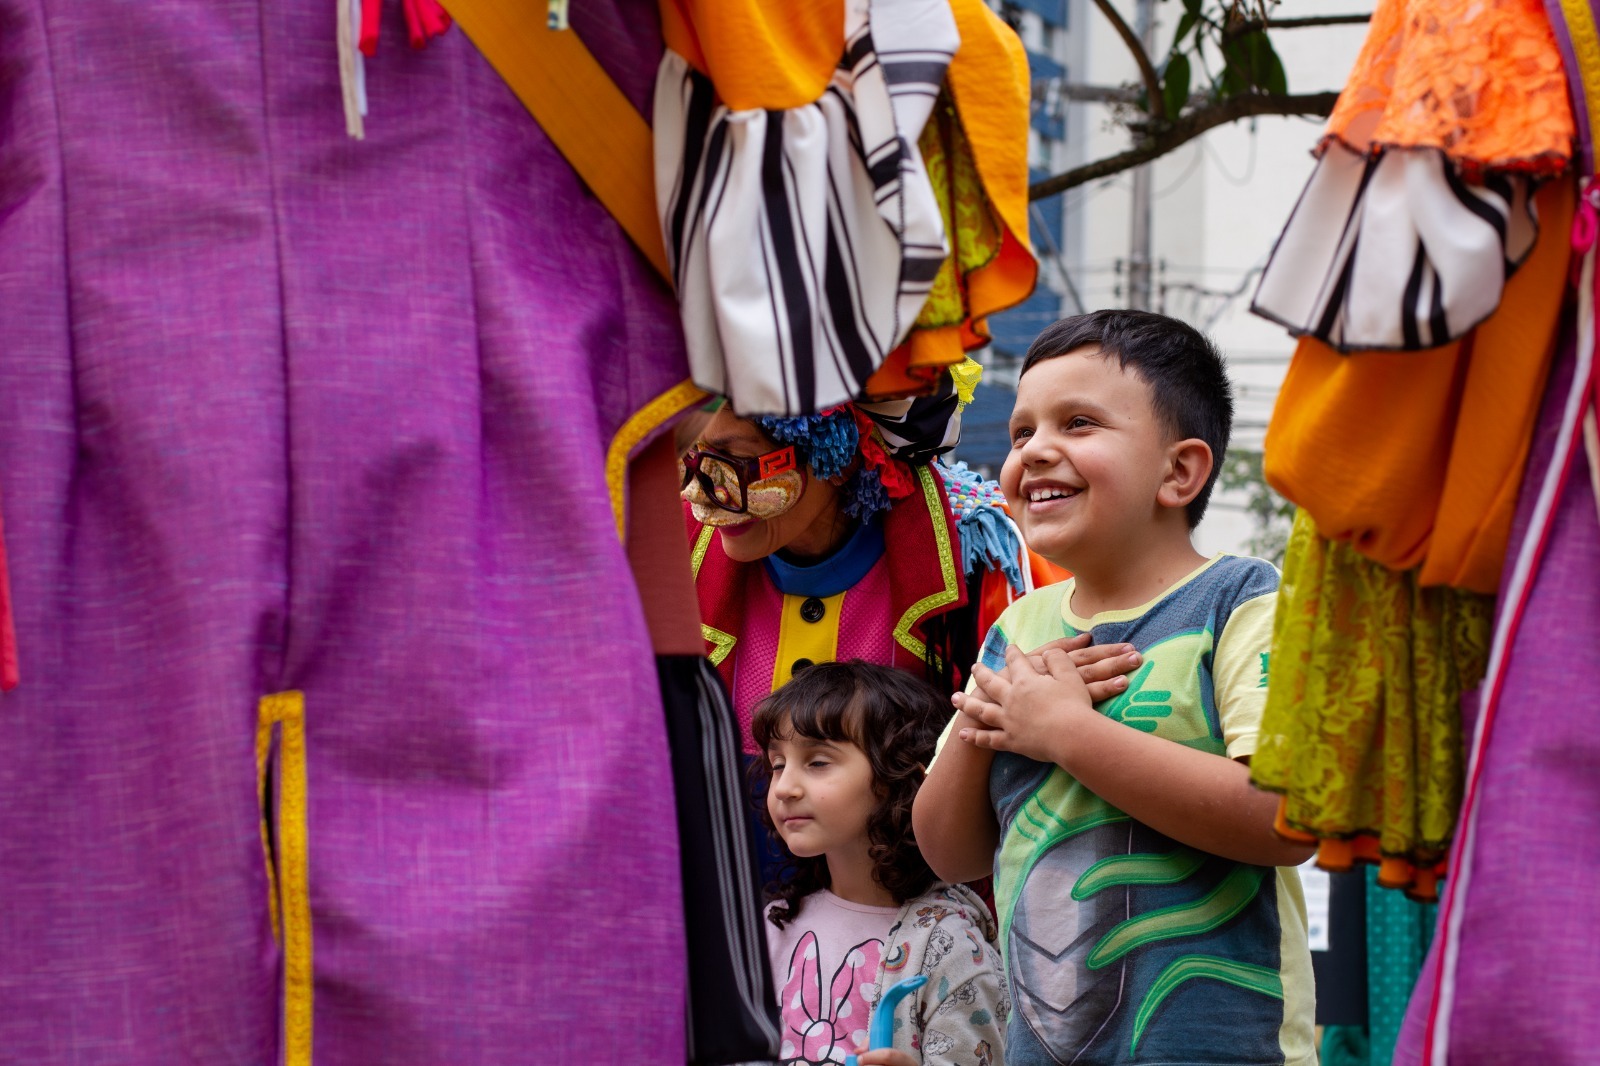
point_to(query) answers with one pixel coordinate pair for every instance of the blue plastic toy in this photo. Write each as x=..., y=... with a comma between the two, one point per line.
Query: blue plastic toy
x=880, y=1033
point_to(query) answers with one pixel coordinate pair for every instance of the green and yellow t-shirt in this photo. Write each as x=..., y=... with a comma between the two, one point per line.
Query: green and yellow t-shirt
x=1123, y=945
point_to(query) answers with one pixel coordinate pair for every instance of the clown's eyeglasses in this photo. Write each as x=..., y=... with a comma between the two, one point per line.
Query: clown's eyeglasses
x=726, y=479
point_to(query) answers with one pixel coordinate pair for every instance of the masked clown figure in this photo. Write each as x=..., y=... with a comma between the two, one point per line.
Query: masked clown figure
x=337, y=725
x=839, y=536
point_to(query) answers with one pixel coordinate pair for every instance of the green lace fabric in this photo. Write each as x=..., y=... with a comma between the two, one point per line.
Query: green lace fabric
x=1361, y=734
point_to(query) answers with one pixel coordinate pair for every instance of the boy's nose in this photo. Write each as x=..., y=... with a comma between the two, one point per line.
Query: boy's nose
x=1037, y=449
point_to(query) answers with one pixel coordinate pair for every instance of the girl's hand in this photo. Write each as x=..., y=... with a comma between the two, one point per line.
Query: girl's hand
x=884, y=1056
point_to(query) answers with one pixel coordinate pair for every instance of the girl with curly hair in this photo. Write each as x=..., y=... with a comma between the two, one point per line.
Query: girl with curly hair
x=857, y=910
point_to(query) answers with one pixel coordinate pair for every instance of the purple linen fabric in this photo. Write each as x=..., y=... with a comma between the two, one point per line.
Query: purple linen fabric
x=283, y=410
x=1526, y=982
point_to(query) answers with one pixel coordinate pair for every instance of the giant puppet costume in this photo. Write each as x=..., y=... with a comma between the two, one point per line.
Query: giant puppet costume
x=1437, y=591
x=302, y=449
x=309, y=446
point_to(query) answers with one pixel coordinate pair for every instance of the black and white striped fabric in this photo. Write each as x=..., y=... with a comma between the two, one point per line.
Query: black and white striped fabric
x=918, y=429
x=804, y=242
x=1395, y=251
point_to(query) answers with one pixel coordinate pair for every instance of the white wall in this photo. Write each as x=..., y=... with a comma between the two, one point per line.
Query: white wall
x=1219, y=203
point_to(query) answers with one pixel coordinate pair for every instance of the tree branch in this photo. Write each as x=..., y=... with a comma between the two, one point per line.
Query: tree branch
x=1316, y=20
x=1099, y=94
x=1184, y=129
x=1147, y=70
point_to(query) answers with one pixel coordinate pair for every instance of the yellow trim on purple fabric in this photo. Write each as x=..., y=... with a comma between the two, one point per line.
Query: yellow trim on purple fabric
x=947, y=567
x=645, y=421
x=287, y=711
x=577, y=105
x=1586, y=49
x=263, y=751
x=799, y=639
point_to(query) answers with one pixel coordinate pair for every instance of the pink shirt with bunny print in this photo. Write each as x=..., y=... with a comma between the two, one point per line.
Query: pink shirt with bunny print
x=824, y=963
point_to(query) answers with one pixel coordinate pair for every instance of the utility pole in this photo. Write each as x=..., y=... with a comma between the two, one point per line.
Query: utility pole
x=1139, y=288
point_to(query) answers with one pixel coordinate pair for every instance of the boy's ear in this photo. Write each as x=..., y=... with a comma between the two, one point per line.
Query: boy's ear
x=1188, y=467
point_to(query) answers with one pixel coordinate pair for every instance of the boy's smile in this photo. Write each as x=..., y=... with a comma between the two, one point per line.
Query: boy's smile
x=1087, y=459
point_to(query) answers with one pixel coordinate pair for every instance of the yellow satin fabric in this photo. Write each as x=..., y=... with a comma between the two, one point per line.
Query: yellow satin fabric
x=759, y=54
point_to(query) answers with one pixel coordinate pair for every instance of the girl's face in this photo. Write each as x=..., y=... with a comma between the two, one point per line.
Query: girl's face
x=821, y=796
x=806, y=520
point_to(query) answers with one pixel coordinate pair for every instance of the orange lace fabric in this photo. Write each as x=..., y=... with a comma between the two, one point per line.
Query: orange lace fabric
x=1481, y=80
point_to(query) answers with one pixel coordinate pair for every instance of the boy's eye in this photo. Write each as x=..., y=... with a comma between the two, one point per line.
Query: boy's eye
x=1079, y=422
x=1020, y=435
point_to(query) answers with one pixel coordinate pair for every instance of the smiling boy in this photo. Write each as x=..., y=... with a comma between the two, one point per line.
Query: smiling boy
x=1146, y=911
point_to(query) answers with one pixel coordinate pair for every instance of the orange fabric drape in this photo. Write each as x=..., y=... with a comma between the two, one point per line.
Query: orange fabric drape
x=1415, y=457
x=760, y=55
x=993, y=92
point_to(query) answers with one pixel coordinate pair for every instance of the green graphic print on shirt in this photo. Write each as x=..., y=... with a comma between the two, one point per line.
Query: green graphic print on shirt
x=1123, y=945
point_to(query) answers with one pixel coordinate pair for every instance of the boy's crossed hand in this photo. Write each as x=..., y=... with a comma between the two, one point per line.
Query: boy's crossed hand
x=1029, y=707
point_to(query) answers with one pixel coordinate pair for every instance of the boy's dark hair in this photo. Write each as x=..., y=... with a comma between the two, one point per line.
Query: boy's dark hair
x=1189, y=385
x=892, y=716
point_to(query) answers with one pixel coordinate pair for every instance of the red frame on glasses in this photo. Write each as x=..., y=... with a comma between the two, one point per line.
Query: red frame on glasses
x=747, y=470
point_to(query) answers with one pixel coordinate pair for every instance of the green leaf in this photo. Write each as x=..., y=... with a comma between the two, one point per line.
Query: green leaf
x=1185, y=24
x=1236, y=74
x=1269, y=68
x=1192, y=7
x=1175, y=85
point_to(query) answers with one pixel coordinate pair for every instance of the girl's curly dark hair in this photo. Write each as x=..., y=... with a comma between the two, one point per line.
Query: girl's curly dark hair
x=892, y=716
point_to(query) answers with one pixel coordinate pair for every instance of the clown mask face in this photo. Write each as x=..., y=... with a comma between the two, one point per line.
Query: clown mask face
x=728, y=490
x=759, y=495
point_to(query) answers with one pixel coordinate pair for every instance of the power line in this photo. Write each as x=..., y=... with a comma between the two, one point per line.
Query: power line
x=1250, y=163
x=1055, y=256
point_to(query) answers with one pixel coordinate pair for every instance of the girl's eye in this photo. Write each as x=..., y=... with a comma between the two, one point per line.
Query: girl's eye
x=1018, y=436
x=817, y=764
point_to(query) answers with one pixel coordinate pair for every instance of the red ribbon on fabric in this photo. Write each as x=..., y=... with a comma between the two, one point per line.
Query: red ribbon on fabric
x=370, y=10
x=897, y=477
x=425, y=20
x=8, y=633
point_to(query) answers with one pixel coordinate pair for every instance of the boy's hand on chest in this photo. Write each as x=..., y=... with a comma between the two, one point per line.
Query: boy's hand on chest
x=1032, y=706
